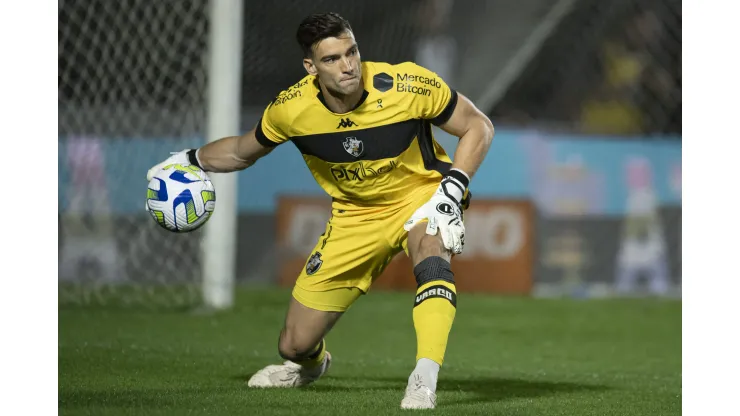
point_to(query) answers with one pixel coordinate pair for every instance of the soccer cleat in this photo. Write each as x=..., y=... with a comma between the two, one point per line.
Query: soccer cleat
x=418, y=396
x=288, y=374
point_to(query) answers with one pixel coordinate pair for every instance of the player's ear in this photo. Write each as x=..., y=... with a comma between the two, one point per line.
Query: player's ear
x=310, y=67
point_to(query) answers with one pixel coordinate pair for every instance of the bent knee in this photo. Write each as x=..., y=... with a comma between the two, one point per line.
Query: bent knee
x=294, y=347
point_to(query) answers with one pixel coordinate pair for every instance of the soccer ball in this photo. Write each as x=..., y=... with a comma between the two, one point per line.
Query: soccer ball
x=180, y=198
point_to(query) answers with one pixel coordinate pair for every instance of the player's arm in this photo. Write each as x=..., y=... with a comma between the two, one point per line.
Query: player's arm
x=475, y=131
x=455, y=114
x=230, y=153
x=240, y=152
x=234, y=153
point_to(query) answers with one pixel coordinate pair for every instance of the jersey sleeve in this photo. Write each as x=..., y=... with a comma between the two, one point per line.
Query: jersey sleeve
x=271, y=129
x=433, y=99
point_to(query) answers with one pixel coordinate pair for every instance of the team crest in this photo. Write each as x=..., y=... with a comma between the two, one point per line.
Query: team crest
x=314, y=263
x=353, y=146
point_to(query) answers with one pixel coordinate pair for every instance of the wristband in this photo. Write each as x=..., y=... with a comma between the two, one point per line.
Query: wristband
x=193, y=158
x=454, y=185
x=461, y=176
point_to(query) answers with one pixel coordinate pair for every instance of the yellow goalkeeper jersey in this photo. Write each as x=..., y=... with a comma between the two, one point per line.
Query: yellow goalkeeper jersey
x=380, y=152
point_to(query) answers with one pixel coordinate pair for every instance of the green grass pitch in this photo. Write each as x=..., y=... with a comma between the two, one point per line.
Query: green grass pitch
x=506, y=356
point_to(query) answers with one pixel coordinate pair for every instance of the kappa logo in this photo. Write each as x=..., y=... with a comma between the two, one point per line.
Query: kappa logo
x=346, y=122
x=314, y=263
x=353, y=146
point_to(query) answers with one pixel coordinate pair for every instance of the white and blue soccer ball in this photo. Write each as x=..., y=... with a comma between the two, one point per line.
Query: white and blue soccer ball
x=181, y=198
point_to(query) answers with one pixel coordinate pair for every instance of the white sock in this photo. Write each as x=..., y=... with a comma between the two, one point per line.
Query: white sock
x=428, y=370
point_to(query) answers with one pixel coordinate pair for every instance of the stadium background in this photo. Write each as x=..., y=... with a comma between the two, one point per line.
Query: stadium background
x=580, y=194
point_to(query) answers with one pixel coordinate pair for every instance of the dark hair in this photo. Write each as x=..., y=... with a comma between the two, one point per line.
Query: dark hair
x=318, y=27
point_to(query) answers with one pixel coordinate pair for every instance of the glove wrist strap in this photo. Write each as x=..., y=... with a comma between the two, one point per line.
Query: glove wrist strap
x=454, y=183
x=461, y=176
x=193, y=158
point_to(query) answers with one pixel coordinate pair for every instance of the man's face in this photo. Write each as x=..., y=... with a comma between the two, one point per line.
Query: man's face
x=336, y=61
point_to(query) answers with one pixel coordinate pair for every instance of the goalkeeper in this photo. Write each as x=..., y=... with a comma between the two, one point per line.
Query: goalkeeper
x=364, y=130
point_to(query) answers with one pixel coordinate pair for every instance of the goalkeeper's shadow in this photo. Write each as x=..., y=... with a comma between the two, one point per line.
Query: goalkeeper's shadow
x=483, y=389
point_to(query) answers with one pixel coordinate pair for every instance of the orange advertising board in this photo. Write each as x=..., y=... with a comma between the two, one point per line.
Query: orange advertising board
x=498, y=255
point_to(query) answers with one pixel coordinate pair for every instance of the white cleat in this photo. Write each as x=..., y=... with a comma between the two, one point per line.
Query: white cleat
x=418, y=396
x=288, y=374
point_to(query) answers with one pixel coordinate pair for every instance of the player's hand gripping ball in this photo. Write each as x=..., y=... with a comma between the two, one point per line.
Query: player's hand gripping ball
x=180, y=197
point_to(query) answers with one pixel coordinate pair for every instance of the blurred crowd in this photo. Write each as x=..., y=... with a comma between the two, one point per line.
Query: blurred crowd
x=639, y=88
x=610, y=68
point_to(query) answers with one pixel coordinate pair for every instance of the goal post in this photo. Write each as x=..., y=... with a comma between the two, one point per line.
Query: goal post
x=223, y=109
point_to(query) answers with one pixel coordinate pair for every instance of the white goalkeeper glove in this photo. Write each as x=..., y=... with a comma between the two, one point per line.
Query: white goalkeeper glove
x=443, y=212
x=183, y=157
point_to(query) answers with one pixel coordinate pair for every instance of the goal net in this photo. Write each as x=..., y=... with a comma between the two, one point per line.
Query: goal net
x=132, y=77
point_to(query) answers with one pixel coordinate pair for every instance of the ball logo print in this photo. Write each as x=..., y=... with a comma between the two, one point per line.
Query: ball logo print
x=180, y=198
x=179, y=176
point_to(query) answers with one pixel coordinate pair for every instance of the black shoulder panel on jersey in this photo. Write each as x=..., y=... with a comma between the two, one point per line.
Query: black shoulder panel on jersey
x=426, y=145
x=261, y=138
x=373, y=143
x=447, y=112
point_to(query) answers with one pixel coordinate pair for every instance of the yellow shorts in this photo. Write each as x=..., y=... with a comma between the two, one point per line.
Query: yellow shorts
x=331, y=300
x=353, y=251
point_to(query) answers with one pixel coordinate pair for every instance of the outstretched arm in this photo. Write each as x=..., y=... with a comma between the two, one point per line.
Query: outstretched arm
x=231, y=153
x=228, y=154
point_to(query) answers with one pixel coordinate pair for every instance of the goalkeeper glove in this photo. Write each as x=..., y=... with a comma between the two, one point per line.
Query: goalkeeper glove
x=183, y=157
x=444, y=211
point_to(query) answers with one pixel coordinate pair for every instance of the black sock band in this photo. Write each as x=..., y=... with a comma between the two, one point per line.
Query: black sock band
x=433, y=268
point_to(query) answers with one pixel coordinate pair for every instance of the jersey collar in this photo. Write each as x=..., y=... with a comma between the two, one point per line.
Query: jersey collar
x=320, y=96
